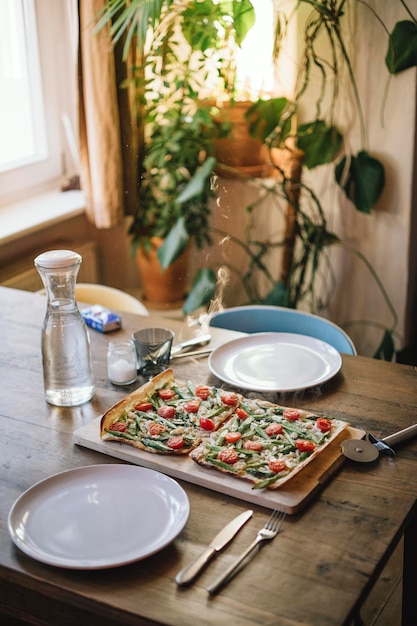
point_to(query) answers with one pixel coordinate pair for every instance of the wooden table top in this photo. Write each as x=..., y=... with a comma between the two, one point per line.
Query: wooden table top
x=317, y=571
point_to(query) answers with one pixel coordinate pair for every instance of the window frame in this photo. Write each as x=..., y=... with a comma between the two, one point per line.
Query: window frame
x=57, y=60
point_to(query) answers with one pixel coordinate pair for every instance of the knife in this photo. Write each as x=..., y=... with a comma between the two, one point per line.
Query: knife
x=188, y=573
x=194, y=353
x=199, y=340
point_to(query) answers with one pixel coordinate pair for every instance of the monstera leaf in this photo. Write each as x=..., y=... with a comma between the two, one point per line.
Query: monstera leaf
x=362, y=180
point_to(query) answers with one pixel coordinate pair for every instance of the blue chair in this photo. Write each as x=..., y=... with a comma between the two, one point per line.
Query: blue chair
x=258, y=319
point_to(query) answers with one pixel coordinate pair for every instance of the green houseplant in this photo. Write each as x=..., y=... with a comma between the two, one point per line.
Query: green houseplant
x=176, y=44
x=361, y=175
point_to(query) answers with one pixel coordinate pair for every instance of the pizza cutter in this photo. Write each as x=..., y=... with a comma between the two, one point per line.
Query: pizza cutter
x=368, y=449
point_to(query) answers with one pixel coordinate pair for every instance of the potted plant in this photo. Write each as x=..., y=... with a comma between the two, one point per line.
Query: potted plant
x=319, y=141
x=177, y=44
x=170, y=210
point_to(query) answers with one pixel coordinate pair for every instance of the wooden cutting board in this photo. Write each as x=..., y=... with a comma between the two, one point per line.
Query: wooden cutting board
x=290, y=498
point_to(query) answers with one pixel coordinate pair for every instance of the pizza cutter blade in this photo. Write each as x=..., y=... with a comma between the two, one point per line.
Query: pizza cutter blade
x=368, y=449
x=360, y=450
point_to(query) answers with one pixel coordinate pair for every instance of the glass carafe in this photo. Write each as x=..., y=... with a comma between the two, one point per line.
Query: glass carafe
x=66, y=356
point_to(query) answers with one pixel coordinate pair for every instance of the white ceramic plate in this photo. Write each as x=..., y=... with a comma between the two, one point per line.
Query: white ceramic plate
x=275, y=362
x=98, y=516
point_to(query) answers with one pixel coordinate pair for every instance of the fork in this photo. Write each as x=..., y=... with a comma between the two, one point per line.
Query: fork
x=269, y=531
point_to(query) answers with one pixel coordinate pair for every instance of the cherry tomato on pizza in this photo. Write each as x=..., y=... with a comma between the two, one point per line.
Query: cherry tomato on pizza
x=273, y=429
x=143, y=406
x=253, y=445
x=229, y=398
x=241, y=413
x=119, y=427
x=232, y=437
x=175, y=443
x=291, y=414
x=305, y=445
x=202, y=391
x=228, y=456
x=277, y=466
x=166, y=411
x=166, y=394
x=191, y=406
x=156, y=429
x=324, y=424
x=207, y=423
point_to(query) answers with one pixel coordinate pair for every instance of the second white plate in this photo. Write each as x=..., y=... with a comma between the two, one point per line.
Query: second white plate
x=275, y=362
x=98, y=516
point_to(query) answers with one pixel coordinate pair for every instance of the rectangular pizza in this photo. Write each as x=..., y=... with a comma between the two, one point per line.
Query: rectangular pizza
x=251, y=439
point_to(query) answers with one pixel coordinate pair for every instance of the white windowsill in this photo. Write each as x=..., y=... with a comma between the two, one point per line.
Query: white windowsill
x=37, y=212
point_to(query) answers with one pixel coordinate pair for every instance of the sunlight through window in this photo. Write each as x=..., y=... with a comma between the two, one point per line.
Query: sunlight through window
x=21, y=119
x=255, y=75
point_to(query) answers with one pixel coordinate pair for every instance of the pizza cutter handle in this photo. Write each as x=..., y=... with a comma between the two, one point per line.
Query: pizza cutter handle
x=401, y=435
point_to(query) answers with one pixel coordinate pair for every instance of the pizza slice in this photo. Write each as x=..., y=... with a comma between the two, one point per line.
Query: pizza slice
x=265, y=443
x=167, y=417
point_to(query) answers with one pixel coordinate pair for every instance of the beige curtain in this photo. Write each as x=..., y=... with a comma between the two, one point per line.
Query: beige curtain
x=107, y=133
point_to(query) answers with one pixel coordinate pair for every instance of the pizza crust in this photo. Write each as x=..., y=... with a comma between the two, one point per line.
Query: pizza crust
x=141, y=394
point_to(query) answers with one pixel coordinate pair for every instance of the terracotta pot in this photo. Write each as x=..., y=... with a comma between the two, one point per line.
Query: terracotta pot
x=240, y=150
x=162, y=289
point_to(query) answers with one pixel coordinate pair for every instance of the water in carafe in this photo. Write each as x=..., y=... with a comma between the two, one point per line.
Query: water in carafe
x=66, y=356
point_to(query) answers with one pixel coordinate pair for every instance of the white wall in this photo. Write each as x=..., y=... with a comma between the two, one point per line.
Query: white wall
x=389, y=106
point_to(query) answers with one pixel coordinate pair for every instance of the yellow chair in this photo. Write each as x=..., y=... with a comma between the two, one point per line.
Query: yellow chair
x=110, y=297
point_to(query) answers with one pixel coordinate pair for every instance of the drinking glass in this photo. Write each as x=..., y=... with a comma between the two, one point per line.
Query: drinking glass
x=153, y=350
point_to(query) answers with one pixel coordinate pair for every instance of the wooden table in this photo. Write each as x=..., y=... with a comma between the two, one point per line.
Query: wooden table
x=317, y=572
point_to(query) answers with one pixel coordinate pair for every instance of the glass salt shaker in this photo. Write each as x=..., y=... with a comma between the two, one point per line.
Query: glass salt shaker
x=121, y=362
x=66, y=356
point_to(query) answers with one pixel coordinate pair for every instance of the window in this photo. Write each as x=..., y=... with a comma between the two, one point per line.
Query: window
x=255, y=74
x=38, y=47
x=37, y=103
